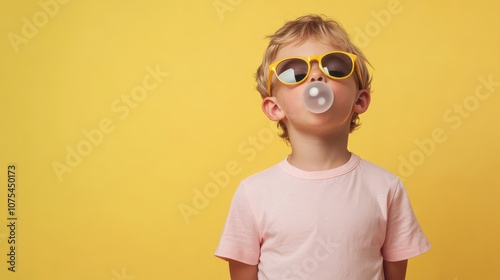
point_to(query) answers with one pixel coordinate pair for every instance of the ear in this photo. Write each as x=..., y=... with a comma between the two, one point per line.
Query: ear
x=272, y=110
x=363, y=101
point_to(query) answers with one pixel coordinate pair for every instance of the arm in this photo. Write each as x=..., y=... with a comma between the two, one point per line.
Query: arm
x=395, y=270
x=242, y=271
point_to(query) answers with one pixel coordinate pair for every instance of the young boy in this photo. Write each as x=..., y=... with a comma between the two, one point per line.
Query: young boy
x=321, y=213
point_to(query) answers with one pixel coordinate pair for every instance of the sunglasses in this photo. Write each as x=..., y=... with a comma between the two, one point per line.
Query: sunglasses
x=337, y=65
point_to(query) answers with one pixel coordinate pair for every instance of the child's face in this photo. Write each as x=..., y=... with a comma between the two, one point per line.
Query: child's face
x=289, y=97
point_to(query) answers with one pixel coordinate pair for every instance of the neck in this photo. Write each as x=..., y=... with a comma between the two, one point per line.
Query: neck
x=316, y=153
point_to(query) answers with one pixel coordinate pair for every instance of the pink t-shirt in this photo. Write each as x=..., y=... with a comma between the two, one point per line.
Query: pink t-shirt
x=333, y=224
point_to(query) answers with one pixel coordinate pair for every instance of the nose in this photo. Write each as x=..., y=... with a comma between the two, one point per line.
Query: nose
x=316, y=73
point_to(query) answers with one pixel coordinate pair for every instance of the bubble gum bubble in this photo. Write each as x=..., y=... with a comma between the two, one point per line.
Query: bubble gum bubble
x=318, y=97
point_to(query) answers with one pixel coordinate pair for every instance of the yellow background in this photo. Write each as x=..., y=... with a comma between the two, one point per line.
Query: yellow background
x=199, y=128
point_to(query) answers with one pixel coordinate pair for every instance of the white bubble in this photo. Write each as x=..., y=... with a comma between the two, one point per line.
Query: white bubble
x=313, y=91
x=321, y=101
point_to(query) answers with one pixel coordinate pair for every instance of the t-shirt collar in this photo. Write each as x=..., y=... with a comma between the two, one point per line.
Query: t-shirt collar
x=323, y=174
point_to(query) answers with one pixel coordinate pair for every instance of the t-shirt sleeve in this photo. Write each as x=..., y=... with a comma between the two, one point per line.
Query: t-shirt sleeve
x=240, y=238
x=404, y=238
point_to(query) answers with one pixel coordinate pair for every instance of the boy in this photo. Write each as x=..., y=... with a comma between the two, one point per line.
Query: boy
x=321, y=213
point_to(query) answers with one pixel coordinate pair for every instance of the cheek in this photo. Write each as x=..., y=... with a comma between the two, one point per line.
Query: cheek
x=348, y=84
x=289, y=98
x=345, y=95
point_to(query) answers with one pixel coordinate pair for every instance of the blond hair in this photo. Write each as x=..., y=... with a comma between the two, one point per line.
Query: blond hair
x=322, y=29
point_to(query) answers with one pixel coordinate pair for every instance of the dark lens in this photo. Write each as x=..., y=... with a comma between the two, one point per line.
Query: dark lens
x=292, y=70
x=337, y=65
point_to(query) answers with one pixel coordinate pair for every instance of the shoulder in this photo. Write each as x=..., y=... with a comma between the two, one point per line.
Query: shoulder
x=266, y=183
x=265, y=176
x=375, y=175
x=374, y=169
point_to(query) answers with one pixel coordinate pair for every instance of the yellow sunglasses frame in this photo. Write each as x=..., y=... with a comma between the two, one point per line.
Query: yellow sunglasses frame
x=308, y=59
